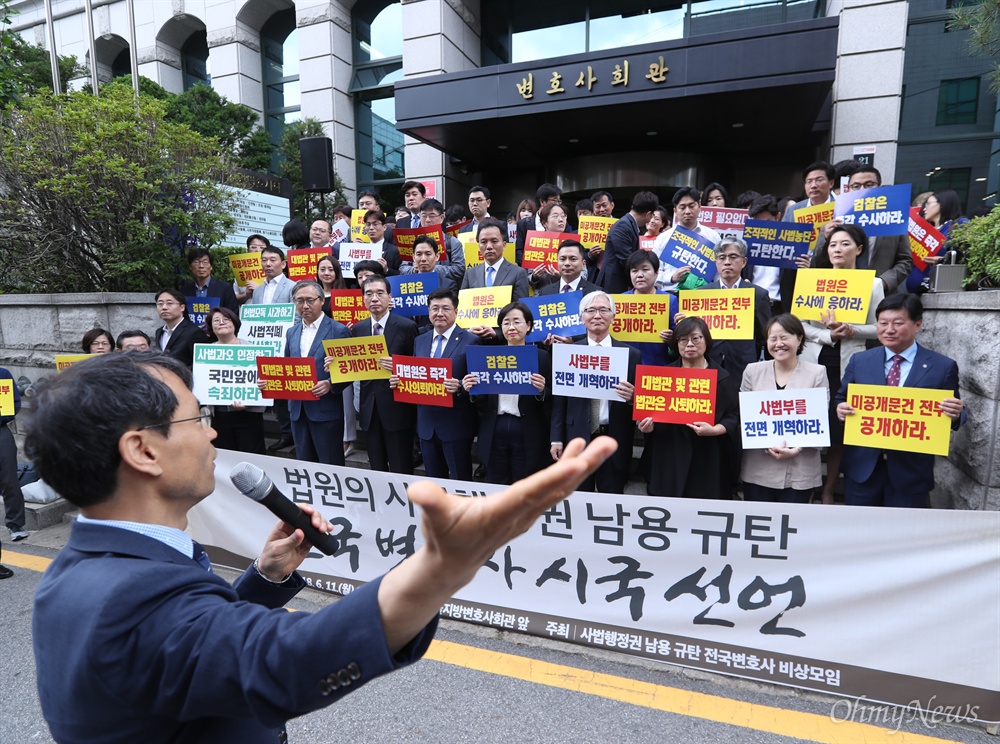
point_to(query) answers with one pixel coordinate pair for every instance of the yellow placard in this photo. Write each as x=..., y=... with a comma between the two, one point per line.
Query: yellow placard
x=357, y=358
x=640, y=317
x=478, y=307
x=846, y=292
x=6, y=397
x=728, y=312
x=473, y=257
x=65, y=361
x=358, y=226
x=594, y=231
x=898, y=418
x=246, y=268
x=818, y=215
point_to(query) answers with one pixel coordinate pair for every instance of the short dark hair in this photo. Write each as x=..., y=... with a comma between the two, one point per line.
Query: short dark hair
x=130, y=334
x=92, y=335
x=344, y=209
x=587, y=204
x=909, y=302
x=79, y=417
x=370, y=193
x=546, y=191
x=492, y=222
x=845, y=168
x=516, y=305
x=783, y=205
x=686, y=191
x=598, y=195
x=254, y=237
x=856, y=234
x=415, y=185
x=294, y=234
x=869, y=169
x=637, y=258
x=454, y=214
x=427, y=240
x=714, y=186
x=173, y=293
x=431, y=204
x=482, y=189
x=375, y=213
x=819, y=165
x=644, y=201
x=376, y=279
x=686, y=327
x=570, y=243
x=275, y=250
x=745, y=199
x=226, y=313
x=443, y=293
x=367, y=265
x=765, y=203
x=791, y=324
x=195, y=253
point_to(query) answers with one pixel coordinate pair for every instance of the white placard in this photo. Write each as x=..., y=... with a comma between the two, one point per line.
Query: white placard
x=588, y=371
x=225, y=374
x=266, y=325
x=352, y=253
x=799, y=418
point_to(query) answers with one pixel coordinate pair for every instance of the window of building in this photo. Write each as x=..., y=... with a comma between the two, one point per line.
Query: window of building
x=194, y=60
x=282, y=93
x=958, y=101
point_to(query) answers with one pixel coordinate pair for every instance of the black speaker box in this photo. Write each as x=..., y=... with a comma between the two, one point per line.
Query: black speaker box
x=317, y=163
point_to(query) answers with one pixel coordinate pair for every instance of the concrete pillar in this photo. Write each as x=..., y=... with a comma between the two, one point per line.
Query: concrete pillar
x=236, y=66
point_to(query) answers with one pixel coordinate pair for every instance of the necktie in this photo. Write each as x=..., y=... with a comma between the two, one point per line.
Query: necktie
x=595, y=414
x=439, y=344
x=202, y=557
x=416, y=221
x=567, y=288
x=895, y=371
x=376, y=329
x=489, y=276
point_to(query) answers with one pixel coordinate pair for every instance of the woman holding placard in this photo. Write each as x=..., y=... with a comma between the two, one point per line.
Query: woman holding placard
x=695, y=460
x=943, y=209
x=785, y=474
x=832, y=343
x=513, y=438
x=239, y=427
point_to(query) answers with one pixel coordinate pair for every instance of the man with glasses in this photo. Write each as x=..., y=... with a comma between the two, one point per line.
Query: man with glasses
x=432, y=213
x=317, y=425
x=582, y=417
x=388, y=254
x=547, y=193
x=495, y=271
x=200, y=262
x=178, y=335
x=255, y=244
x=479, y=206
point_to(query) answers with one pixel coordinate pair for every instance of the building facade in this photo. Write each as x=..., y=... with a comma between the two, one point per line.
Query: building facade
x=621, y=96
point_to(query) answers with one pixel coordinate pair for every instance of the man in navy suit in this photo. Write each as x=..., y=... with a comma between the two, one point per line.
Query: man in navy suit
x=178, y=335
x=547, y=193
x=446, y=433
x=317, y=425
x=413, y=195
x=495, y=271
x=875, y=477
x=623, y=241
x=200, y=262
x=136, y=640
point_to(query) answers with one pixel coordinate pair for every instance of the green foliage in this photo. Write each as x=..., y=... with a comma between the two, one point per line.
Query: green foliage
x=305, y=207
x=105, y=194
x=979, y=239
x=982, y=19
x=27, y=69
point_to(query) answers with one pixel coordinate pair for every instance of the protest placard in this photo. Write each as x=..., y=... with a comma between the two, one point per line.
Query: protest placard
x=502, y=369
x=455, y=229
x=883, y=210
x=588, y=371
x=542, y=248
x=898, y=418
x=7, y=397
x=246, y=268
x=404, y=239
x=347, y=306
x=198, y=309
x=340, y=232
x=474, y=257
x=65, y=361
x=353, y=253
x=640, y=317
x=287, y=378
x=726, y=221
x=727, y=312
x=556, y=314
x=358, y=226
x=594, y=231
x=302, y=262
x=847, y=293
x=478, y=307
x=421, y=380
x=687, y=248
x=357, y=358
x=265, y=326
x=816, y=215
x=674, y=395
x=771, y=243
x=225, y=374
x=409, y=292
x=925, y=239
x=797, y=418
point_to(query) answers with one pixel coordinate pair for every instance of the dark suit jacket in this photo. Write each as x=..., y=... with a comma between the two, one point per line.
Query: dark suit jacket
x=135, y=642
x=623, y=241
x=556, y=285
x=909, y=471
x=182, y=340
x=507, y=274
x=571, y=416
x=734, y=356
x=216, y=288
x=448, y=424
x=331, y=406
x=376, y=397
x=389, y=252
x=523, y=226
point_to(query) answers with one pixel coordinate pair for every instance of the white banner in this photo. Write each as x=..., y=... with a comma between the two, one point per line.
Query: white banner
x=227, y=373
x=353, y=253
x=340, y=231
x=266, y=325
x=897, y=605
x=588, y=371
x=800, y=418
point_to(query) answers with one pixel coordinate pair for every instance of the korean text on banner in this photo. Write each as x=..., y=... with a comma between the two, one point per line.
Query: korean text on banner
x=925, y=239
x=474, y=257
x=502, y=369
x=558, y=314
x=225, y=374
x=353, y=253
x=772, y=243
x=358, y=226
x=816, y=215
x=478, y=307
x=594, y=231
x=302, y=262
x=246, y=268
x=409, y=292
x=883, y=210
x=542, y=248
x=454, y=230
x=673, y=395
x=421, y=380
x=65, y=361
x=340, y=232
x=265, y=326
x=687, y=248
x=357, y=358
x=580, y=371
x=898, y=418
x=726, y=221
x=7, y=398
x=405, y=238
x=198, y=309
x=288, y=378
x=798, y=418
x=847, y=293
x=727, y=312
x=347, y=306
x=640, y=317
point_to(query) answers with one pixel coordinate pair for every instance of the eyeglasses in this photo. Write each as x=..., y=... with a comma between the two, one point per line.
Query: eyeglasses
x=221, y=320
x=205, y=418
x=729, y=258
x=690, y=341
x=596, y=310
x=307, y=300
x=373, y=224
x=202, y=262
x=857, y=186
x=168, y=303
x=377, y=293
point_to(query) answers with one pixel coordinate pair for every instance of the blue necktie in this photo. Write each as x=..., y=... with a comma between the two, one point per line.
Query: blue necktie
x=202, y=557
x=489, y=276
x=438, y=347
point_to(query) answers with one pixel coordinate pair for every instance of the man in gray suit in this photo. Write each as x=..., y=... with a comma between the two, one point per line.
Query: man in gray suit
x=276, y=290
x=494, y=271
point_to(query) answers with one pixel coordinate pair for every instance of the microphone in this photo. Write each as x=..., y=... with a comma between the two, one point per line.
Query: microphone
x=253, y=482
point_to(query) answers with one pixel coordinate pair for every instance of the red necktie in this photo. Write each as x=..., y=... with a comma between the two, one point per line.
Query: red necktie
x=895, y=371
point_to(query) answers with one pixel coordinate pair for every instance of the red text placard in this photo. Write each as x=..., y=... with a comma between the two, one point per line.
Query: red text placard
x=421, y=380
x=302, y=262
x=287, y=378
x=347, y=306
x=542, y=248
x=925, y=239
x=405, y=238
x=674, y=395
